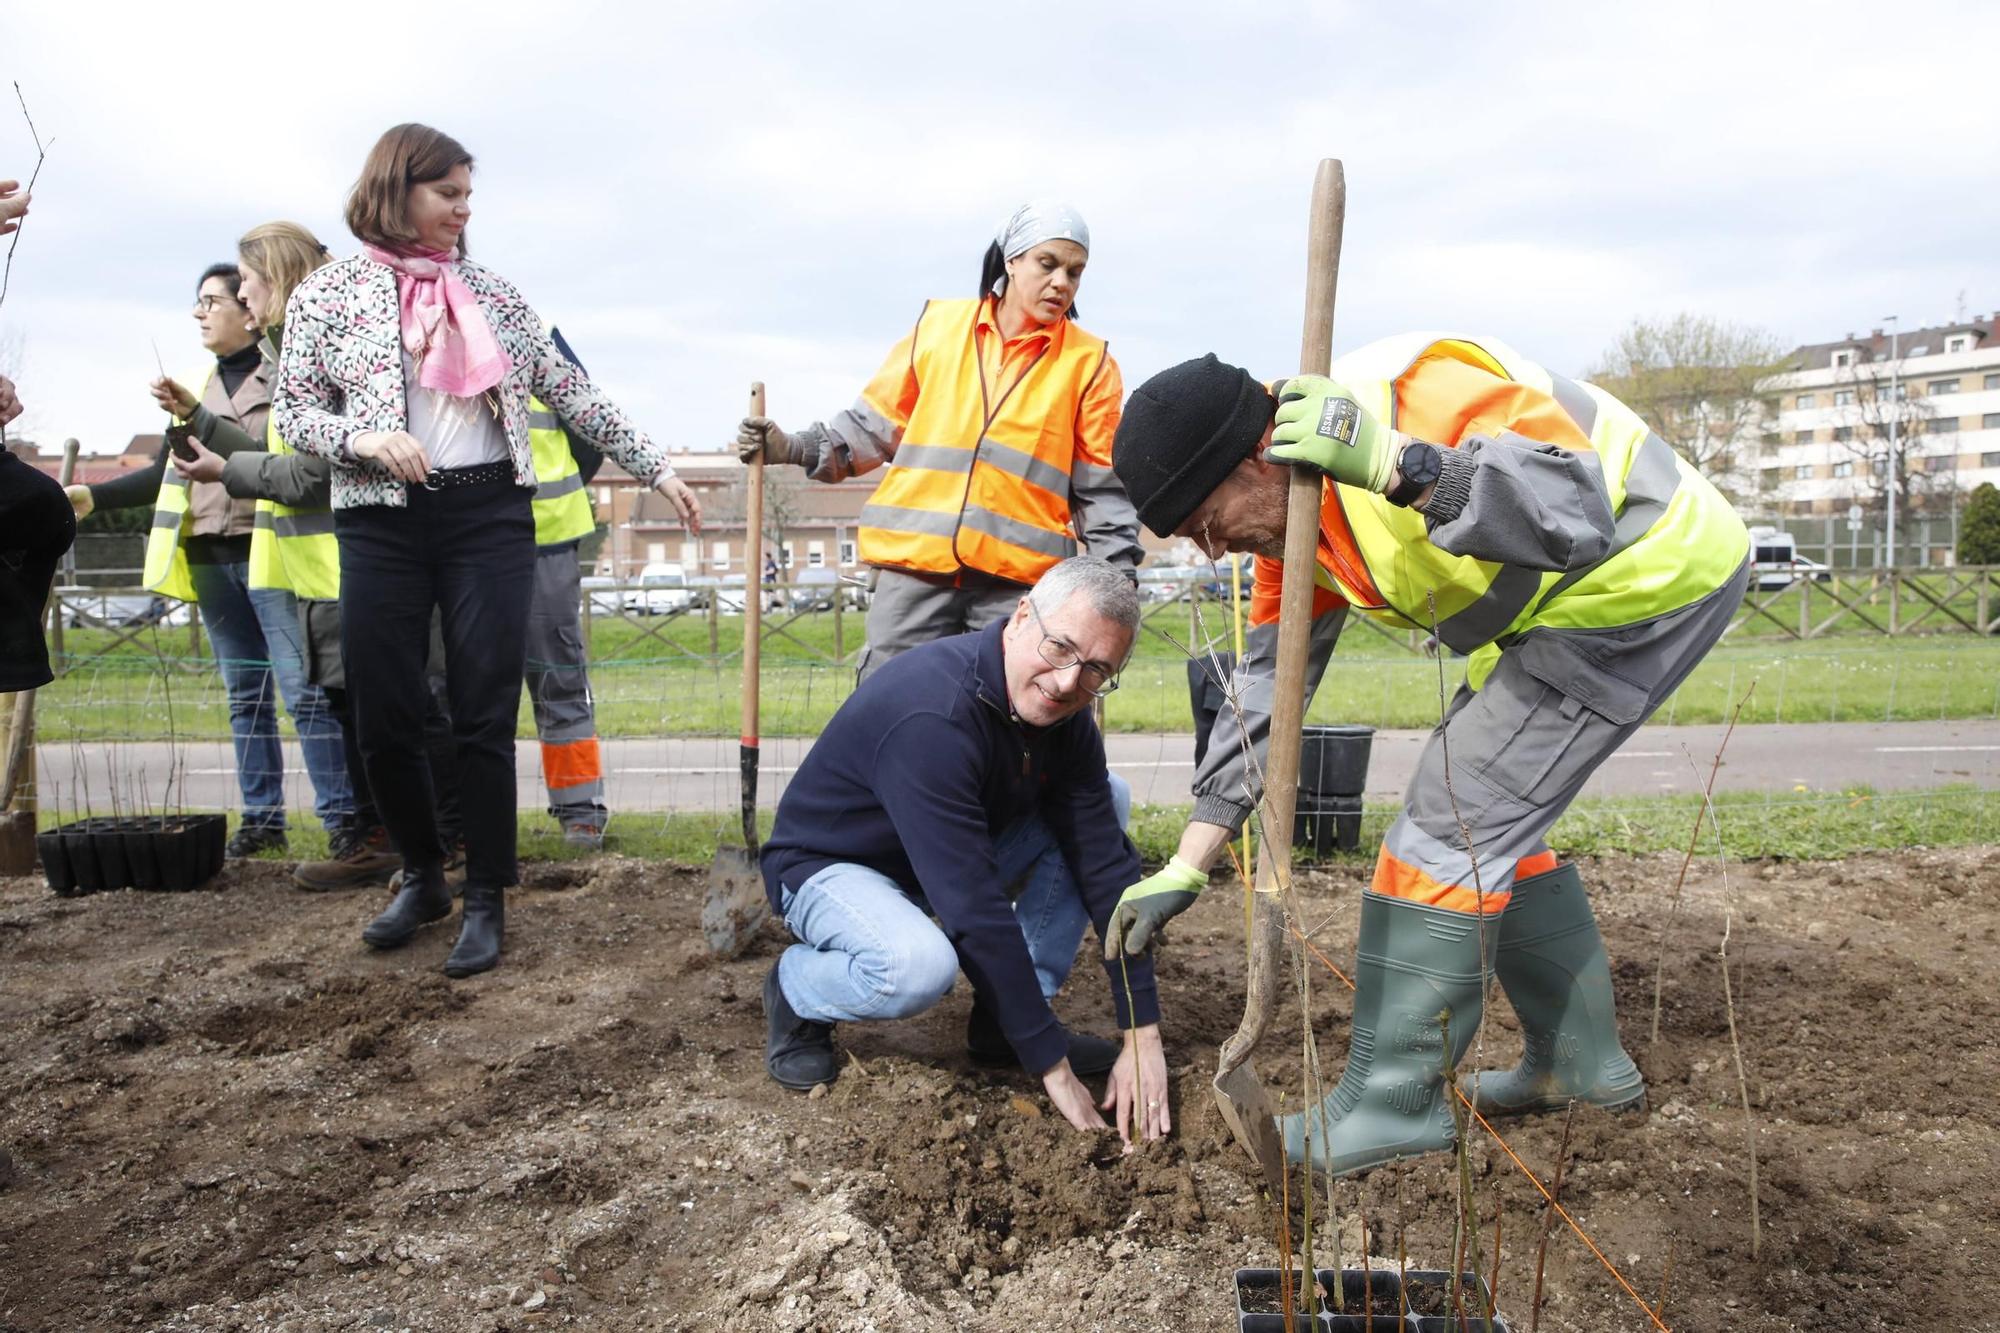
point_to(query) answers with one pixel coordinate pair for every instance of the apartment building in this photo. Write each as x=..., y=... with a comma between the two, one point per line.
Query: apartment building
x=1826, y=442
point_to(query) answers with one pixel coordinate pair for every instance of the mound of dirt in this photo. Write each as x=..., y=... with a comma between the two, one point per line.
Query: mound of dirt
x=219, y=1110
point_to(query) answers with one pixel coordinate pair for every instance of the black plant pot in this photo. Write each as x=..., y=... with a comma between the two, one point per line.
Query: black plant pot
x=1333, y=761
x=1429, y=1295
x=1370, y=1301
x=175, y=852
x=1378, y=1290
x=55, y=863
x=1326, y=822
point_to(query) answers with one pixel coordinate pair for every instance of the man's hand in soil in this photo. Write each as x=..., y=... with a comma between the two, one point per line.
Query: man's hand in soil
x=1071, y=1098
x=1142, y=1068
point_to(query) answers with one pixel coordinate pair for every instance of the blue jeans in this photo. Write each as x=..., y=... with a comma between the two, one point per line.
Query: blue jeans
x=868, y=948
x=257, y=643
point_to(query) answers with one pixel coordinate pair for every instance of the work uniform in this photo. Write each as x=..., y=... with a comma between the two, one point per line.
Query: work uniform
x=1589, y=571
x=557, y=675
x=996, y=454
x=1584, y=569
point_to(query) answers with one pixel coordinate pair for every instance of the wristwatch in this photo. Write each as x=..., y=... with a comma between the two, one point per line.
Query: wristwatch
x=1417, y=468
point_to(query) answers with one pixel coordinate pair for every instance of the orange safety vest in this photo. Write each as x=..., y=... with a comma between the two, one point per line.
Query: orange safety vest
x=981, y=477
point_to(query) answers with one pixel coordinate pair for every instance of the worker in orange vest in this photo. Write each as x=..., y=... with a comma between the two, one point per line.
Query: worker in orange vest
x=992, y=421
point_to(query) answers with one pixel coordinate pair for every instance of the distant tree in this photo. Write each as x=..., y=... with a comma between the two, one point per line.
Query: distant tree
x=1979, y=527
x=1693, y=379
x=1878, y=396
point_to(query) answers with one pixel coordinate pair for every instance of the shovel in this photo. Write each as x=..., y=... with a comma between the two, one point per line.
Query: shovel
x=736, y=906
x=1246, y=1106
x=17, y=827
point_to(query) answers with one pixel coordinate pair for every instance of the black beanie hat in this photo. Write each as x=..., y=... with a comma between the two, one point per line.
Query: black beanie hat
x=1183, y=432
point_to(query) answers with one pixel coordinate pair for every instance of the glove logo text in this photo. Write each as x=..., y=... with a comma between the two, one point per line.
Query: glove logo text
x=1339, y=419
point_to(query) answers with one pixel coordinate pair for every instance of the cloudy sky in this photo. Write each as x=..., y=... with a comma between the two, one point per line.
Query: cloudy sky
x=706, y=195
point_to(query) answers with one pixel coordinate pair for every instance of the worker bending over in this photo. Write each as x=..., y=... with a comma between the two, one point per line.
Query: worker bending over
x=964, y=767
x=1533, y=524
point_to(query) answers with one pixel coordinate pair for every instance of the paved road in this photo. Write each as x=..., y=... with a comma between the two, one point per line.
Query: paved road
x=702, y=774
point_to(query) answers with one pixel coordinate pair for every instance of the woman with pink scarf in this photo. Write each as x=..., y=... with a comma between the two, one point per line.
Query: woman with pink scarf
x=411, y=368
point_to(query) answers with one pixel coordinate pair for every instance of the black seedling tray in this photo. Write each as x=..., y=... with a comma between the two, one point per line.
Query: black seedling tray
x=1256, y=1302
x=170, y=852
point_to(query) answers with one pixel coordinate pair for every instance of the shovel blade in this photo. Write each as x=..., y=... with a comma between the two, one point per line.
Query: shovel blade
x=736, y=907
x=1246, y=1109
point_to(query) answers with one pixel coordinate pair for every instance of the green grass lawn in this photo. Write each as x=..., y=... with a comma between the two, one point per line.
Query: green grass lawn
x=1754, y=825
x=666, y=683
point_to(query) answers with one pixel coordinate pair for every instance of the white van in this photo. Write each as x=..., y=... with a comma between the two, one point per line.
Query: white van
x=1776, y=562
x=662, y=588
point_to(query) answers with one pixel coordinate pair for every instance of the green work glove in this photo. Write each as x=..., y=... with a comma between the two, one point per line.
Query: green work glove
x=1322, y=426
x=1150, y=904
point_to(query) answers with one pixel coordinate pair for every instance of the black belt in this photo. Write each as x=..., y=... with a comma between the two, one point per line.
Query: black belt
x=482, y=475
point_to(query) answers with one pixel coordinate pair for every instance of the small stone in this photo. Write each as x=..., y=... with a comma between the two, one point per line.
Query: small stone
x=801, y=1180
x=1815, y=930
x=405, y=1270
x=1022, y=1106
x=550, y=1277
x=989, y=1163
x=382, y=1319
x=818, y=1091
x=458, y=1129
x=536, y=1301
x=836, y=1239
x=1012, y=1246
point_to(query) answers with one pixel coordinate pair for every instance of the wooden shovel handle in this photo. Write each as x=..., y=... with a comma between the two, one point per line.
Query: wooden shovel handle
x=1288, y=704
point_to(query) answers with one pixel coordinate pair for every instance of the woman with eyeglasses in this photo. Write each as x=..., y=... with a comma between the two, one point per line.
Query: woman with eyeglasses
x=198, y=549
x=411, y=367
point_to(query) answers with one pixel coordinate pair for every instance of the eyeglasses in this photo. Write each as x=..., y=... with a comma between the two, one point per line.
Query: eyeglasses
x=1063, y=656
x=208, y=301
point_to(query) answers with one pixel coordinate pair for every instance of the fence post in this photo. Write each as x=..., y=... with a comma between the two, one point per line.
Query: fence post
x=839, y=641
x=194, y=629
x=714, y=629
x=1805, y=608
x=1985, y=602
x=1895, y=597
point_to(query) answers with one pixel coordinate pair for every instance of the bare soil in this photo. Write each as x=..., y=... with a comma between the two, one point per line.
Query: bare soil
x=218, y=1110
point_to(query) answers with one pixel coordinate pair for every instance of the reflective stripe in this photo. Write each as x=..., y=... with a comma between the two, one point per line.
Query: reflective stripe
x=1574, y=399
x=1056, y=545
x=1510, y=593
x=303, y=523
x=897, y=518
x=161, y=520
x=561, y=486
x=173, y=478
x=1649, y=489
x=935, y=458
x=261, y=521
x=1090, y=477
x=1025, y=466
x=576, y=795
x=544, y=421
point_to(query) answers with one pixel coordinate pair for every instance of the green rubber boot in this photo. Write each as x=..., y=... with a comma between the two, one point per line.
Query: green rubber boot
x=1418, y=974
x=1553, y=968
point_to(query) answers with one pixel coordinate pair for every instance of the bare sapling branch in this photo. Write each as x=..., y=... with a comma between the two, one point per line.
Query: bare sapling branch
x=1549, y=1220
x=1680, y=881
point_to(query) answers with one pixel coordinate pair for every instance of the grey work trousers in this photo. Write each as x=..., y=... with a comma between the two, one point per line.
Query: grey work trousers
x=559, y=690
x=911, y=609
x=1558, y=704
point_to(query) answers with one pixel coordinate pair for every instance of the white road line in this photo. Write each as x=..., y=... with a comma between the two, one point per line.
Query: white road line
x=1643, y=754
x=1936, y=749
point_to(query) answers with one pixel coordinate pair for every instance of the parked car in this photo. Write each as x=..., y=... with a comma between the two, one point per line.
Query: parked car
x=604, y=597
x=726, y=594
x=815, y=588
x=88, y=608
x=662, y=588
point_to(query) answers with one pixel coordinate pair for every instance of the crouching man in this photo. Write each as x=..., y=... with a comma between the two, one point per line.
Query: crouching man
x=966, y=767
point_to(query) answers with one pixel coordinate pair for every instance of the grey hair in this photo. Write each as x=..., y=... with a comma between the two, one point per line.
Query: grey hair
x=1108, y=589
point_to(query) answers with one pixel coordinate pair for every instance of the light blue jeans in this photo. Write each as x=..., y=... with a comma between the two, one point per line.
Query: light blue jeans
x=255, y=634
x=869, y=950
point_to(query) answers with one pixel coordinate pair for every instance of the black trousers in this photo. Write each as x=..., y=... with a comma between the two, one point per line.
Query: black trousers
x=440, y=750
x=468, y=551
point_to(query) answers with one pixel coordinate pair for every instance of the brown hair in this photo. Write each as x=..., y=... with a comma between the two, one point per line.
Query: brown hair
x=407, y=155
x=282, y=253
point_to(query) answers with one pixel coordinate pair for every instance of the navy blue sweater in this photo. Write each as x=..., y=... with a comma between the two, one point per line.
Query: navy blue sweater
x=917, y=774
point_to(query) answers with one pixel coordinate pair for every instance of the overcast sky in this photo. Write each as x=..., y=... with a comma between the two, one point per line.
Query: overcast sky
x=706, y=196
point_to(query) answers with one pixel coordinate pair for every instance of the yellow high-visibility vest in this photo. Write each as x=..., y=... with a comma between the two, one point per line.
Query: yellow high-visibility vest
x=293, y=548
x=166, y=567
x=1676, y=537
x=563, y=512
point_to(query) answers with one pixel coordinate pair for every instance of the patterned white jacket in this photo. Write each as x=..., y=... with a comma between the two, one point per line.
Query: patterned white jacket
x=341, y=373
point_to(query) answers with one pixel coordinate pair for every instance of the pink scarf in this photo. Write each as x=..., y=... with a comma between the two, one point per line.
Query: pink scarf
x=444, y=329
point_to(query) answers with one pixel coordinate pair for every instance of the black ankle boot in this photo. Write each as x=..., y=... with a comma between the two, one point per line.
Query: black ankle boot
x=422, y=900
x=481, y=924
x=797, y=1051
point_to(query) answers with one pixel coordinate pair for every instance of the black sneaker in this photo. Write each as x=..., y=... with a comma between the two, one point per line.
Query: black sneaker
x=798, y=1052
x=252, y=839
x=988, y=1046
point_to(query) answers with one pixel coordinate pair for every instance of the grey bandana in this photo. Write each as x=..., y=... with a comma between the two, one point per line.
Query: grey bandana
x=1041, y=220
